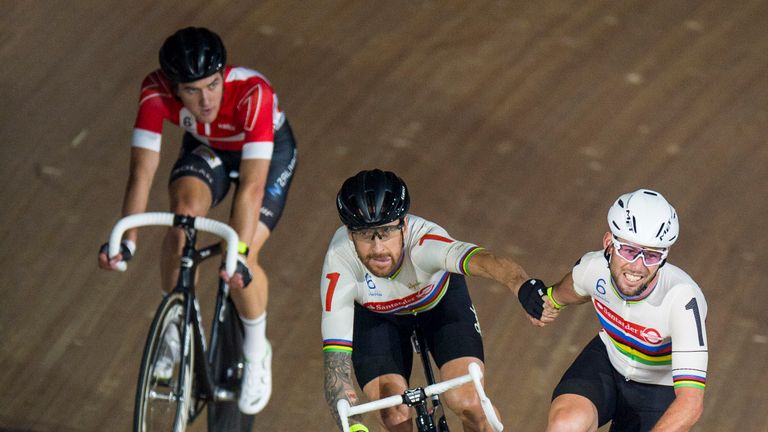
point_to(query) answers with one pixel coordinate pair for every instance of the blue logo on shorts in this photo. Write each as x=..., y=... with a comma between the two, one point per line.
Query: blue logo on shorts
x=275, y=190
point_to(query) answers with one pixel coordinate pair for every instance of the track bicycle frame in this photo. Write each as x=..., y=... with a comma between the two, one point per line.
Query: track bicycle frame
x=424, y=420
x=206, y=388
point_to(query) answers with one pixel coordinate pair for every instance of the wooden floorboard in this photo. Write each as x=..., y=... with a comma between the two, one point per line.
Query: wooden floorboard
x=514, y=123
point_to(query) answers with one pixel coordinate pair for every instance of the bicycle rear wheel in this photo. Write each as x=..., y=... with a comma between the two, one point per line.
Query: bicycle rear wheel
x=164, y=391
x=225, y=416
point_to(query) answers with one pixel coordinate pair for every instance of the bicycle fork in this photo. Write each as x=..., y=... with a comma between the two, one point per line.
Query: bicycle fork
x=421, y=347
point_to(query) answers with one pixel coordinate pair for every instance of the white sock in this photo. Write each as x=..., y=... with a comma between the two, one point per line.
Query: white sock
x=255, y=340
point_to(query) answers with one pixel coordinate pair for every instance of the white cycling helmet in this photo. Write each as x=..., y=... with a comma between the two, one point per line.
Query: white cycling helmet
x=644, y=217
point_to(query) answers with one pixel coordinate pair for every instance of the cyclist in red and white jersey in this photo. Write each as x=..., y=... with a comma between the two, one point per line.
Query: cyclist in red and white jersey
x=235, y=132
x=385, y=272
x=647, y=368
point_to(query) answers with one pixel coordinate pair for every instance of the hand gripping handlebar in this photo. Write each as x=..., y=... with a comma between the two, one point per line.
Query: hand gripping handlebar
x=475, y=375
x=167, y=219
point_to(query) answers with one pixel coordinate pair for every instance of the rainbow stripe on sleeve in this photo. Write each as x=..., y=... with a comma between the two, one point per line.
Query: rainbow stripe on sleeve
x=694, y=381
x=337, y=345
x=464, y=262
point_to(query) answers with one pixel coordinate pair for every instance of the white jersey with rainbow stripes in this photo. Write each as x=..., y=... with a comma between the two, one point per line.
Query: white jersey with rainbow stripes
x=659, y=339
x=417, y=284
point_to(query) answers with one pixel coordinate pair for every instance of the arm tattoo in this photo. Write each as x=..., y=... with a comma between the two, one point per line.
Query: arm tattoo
x=338, y=382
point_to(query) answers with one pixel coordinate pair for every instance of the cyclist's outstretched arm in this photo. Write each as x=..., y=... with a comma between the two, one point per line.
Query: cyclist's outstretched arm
x=565, y=294
x=503, y=270
x=338, y=383
x=144, y=163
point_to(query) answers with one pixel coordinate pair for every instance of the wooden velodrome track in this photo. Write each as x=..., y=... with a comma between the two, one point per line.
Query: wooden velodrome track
x=515, y=124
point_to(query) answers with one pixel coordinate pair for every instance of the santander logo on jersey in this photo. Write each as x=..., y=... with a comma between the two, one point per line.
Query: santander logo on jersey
x=647, y=334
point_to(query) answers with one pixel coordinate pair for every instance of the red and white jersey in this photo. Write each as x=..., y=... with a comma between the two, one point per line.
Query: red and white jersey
x=417, y=284
x=660, y=338
x=248, y=116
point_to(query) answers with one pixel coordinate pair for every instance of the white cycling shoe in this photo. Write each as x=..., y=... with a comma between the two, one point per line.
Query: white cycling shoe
x=169, y=355
x=257, y=384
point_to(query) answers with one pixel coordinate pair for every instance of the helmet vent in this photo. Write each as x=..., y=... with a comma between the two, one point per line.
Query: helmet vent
x=644, y=217
x=372, y=198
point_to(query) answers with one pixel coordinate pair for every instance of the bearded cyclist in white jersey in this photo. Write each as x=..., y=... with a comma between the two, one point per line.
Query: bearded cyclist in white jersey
x=646, y=369
x=386, y=271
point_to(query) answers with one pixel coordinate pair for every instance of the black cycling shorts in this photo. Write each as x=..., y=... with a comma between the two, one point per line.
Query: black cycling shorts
x=632, y=406
x=219, y=168
x=382, y=342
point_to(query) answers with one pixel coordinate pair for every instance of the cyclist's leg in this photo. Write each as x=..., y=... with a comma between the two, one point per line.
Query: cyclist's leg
x=585, y=398
x=639, y=406
x=252, y=301
x=453, y=334
x=572, y=412
x=464, y=401
x=397, y=418
x=383, y=358
x=256, y=388
x=198, y=181
x=189, y=196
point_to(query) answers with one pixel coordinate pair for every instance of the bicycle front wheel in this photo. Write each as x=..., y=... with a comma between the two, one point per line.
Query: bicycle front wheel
x=163, y=394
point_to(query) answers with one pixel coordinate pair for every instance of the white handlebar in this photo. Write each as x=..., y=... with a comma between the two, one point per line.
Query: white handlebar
x=485, y=402
x=475, y=374
x=166, y=219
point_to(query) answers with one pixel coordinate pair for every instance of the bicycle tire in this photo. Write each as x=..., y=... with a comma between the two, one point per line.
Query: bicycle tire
x=225, y=416
x=162, y=403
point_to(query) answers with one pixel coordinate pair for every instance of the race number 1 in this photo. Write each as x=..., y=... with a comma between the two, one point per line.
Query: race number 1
x=694, y=306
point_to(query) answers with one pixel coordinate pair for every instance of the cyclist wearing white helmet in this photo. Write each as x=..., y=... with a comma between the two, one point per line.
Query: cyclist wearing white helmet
x=647, y=368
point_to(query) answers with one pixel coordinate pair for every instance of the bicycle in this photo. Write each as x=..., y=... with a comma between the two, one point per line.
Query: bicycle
x=428, y=419
x=171, y=402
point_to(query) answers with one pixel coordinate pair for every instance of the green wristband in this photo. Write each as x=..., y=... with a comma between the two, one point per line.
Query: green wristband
x=557, y=305
x=242, y=248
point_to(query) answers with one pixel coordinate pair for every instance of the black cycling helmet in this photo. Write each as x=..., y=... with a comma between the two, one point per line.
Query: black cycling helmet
x=372, y=198
x=191, y=54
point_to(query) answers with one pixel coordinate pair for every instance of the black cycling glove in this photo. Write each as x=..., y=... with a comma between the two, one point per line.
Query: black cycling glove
x=127, y=248
x=531, y=296
x=242, y=268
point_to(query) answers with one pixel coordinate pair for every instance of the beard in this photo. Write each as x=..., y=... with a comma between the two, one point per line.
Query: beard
x=636, y=292
x=617, y=276
x=378, y=271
